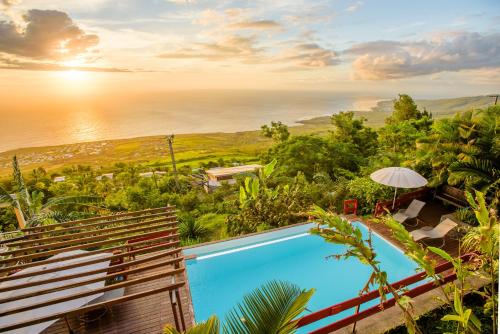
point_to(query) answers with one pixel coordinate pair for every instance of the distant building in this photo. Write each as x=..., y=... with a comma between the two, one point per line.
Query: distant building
x=59, y=179
x=216, y=176
x=108, y=176
x=150, y=174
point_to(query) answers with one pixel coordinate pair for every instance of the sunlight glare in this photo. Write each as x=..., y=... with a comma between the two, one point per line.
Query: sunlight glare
x=74, y=75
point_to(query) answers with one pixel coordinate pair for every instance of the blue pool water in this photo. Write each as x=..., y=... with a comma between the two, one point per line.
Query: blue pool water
x=224, y=272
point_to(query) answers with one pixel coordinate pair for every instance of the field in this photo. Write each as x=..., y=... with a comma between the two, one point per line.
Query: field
x=192, y=149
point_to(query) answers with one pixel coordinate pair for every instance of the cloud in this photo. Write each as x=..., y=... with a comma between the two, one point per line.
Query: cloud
x=457, y=51
x=227, y=47
x=298, y=56
x=48, y=34
x=259, y=25
x=308, y=55
x=354, y=7
x=14, y=64
x=9, y=3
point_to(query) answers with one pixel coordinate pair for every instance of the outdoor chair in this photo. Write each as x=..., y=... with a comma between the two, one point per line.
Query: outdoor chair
x=404, y=216
x=438, y=232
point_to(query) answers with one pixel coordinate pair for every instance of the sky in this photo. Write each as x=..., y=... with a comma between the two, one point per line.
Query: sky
x=54, y=48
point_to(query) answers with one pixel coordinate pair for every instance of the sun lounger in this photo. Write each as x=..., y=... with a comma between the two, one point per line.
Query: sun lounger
x=438, y=232
x=411, y=212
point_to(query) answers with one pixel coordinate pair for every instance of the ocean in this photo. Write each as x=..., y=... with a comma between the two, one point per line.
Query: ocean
x=165, y=113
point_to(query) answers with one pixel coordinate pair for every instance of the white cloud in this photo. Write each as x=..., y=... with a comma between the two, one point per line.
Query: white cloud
x=443, y=52
x=355, y=6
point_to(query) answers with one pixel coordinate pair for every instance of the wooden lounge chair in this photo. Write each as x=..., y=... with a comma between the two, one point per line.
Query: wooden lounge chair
x=410, y=213
x=438, y=232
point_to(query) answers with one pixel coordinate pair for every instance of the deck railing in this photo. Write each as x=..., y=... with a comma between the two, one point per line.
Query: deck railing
x=364, y=298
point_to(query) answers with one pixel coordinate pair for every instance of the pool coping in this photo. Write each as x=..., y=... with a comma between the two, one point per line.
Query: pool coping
x=244, y=235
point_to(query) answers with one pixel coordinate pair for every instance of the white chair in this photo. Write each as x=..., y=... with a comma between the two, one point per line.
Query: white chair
x=410, y=212
x=440, y=231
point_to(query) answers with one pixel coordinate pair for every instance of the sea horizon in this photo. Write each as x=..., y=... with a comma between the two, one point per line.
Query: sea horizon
x=170, y=113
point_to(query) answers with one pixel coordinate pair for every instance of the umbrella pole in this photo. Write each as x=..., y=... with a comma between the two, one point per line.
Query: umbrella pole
x=394, y=200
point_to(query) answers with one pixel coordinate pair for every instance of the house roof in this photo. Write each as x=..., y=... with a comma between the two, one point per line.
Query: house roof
x=227, y=171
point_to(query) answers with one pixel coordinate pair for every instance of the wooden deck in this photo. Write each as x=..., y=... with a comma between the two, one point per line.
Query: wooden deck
x=146, y=315
x=429, y=216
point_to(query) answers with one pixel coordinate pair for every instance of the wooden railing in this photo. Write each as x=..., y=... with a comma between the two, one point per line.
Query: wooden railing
x=374, y=294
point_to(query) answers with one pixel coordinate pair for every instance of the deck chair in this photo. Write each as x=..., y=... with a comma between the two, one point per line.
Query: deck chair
x=410, y=213
x=438, y=232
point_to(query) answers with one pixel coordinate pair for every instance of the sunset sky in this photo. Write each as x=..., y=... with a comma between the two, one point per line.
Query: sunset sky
x=102, y=46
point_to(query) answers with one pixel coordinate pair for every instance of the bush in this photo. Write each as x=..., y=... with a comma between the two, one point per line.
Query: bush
x=368, y=193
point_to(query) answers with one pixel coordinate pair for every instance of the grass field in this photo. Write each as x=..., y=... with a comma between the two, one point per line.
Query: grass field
x=191, y=149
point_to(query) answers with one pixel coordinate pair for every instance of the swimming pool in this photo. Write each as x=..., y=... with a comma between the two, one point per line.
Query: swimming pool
x=224, y=272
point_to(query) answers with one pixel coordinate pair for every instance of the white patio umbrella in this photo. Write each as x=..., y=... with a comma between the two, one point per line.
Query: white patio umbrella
x=398, y=177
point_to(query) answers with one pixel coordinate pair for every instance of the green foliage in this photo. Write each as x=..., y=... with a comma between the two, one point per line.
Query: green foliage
x=404, y=109
x=270, y=309
x=277, y=131
x=311, y=155
x=211, y=326
x=368, y=193
x=262, y=205
x=464, y=150
x=483, y=241
x=341, y=231
x=350, y=130
x=192, y=230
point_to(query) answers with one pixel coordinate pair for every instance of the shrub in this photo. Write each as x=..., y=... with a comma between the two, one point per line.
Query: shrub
x=368, y=193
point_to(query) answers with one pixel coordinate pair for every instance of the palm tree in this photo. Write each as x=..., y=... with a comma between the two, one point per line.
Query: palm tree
x=270, y=309
x=31, y=205
x=465, y=150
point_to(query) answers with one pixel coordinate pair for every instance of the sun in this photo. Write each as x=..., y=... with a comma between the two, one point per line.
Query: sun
x=74, y=75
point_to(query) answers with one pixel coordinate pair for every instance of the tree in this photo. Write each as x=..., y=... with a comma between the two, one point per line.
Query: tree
x=34, y=209
x=277, y=131
x=351, y=130
x=405, y=109
x=270, y=309
x=465, y=150
x=310, y=155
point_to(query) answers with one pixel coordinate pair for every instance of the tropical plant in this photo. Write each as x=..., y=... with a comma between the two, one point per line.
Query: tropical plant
x=464, y=150
x=33, y=208
x=211, y=326
x=262, y=206
x=483, y=242
x=191, y=229
x=341, y=231
x=271, y=309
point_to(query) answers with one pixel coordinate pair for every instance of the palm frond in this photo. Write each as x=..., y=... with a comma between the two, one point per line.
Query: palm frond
x=270, y=309
x=5, y=197
x=211, y=326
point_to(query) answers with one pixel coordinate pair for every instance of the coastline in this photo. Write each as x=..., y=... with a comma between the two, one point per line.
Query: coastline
x=194, y=148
